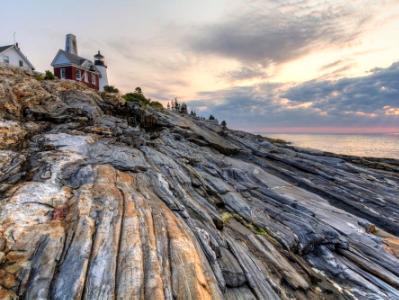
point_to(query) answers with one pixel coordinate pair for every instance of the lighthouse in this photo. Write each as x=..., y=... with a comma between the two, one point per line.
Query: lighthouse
x=102, y=68
x=69, y=65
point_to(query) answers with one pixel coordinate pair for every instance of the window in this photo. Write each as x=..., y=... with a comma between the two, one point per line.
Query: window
x=93, y=79
x=62, y=73
x=21, y=63
x=85, y=77
x=78, y=75
x=6, y=59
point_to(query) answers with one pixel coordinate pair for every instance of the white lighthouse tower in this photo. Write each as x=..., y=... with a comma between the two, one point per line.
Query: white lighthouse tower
x=102, y=68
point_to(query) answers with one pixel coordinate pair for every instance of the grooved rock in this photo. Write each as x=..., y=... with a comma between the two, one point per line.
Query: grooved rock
x=102, y=199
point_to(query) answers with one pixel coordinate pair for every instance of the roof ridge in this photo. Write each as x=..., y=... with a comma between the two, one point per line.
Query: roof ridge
x=75, y=59
x=3, y=48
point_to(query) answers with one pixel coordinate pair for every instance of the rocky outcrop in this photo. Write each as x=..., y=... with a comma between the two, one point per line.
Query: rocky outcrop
x=101, y=199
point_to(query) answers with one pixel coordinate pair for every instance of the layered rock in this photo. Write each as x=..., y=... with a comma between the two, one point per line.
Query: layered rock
x=101, y=199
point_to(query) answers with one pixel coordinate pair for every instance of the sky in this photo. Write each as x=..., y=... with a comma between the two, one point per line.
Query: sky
x=261, y=65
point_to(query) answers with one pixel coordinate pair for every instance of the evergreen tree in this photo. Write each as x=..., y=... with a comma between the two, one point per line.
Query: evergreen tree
x=183, y=108
x=175, y=105
x=224, y=127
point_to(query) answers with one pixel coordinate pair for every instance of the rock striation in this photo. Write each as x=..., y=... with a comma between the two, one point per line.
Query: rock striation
x=102, y=199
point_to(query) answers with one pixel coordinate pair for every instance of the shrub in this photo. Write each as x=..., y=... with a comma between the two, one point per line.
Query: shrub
x=136, y=97
x=111, y=89
x=49, y=75
x=211, y=117
x=156, y=105
x=39, y=76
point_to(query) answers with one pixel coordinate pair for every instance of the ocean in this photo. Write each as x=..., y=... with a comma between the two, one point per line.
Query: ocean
x=371, y=145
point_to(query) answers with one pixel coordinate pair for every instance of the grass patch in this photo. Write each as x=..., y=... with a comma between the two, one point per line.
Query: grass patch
x=227, y=216
x=256, y=229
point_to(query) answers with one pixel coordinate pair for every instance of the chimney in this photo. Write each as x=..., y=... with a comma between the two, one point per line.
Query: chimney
x=70, y=44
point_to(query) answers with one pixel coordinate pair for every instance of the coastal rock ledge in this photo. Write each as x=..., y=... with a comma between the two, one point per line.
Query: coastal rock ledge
x=102, y=199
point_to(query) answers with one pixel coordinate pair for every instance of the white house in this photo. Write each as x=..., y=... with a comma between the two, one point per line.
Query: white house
x=12, y=55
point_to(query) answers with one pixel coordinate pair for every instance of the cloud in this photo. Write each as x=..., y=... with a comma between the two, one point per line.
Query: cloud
x=332, y=65
x=367, y=101
x=367, y=93
x=391, y=111
x=334, y=74
x=245, y=73
x=274, y=32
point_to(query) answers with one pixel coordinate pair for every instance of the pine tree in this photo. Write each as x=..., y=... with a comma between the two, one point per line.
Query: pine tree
x=176, y=105
x=224, y=127
x=183, y=108
x=224, y=124
x=138, y=90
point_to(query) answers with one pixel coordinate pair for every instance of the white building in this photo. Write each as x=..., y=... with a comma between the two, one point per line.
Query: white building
x=102, y=68
x=11, y=55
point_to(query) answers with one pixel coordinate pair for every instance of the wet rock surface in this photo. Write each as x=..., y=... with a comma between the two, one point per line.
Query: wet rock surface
x=101, y=199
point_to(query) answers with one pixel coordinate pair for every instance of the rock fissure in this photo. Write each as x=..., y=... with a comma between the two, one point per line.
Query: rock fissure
x=119, y=240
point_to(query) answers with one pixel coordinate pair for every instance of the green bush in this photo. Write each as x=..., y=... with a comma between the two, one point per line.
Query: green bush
x=39, y=76
x=49, y=75
x=156, y=105
x=111, y=89
x=137, y=97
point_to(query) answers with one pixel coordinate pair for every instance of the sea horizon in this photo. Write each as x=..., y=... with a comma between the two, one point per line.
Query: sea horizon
x=379, y=145
x=326, y=133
